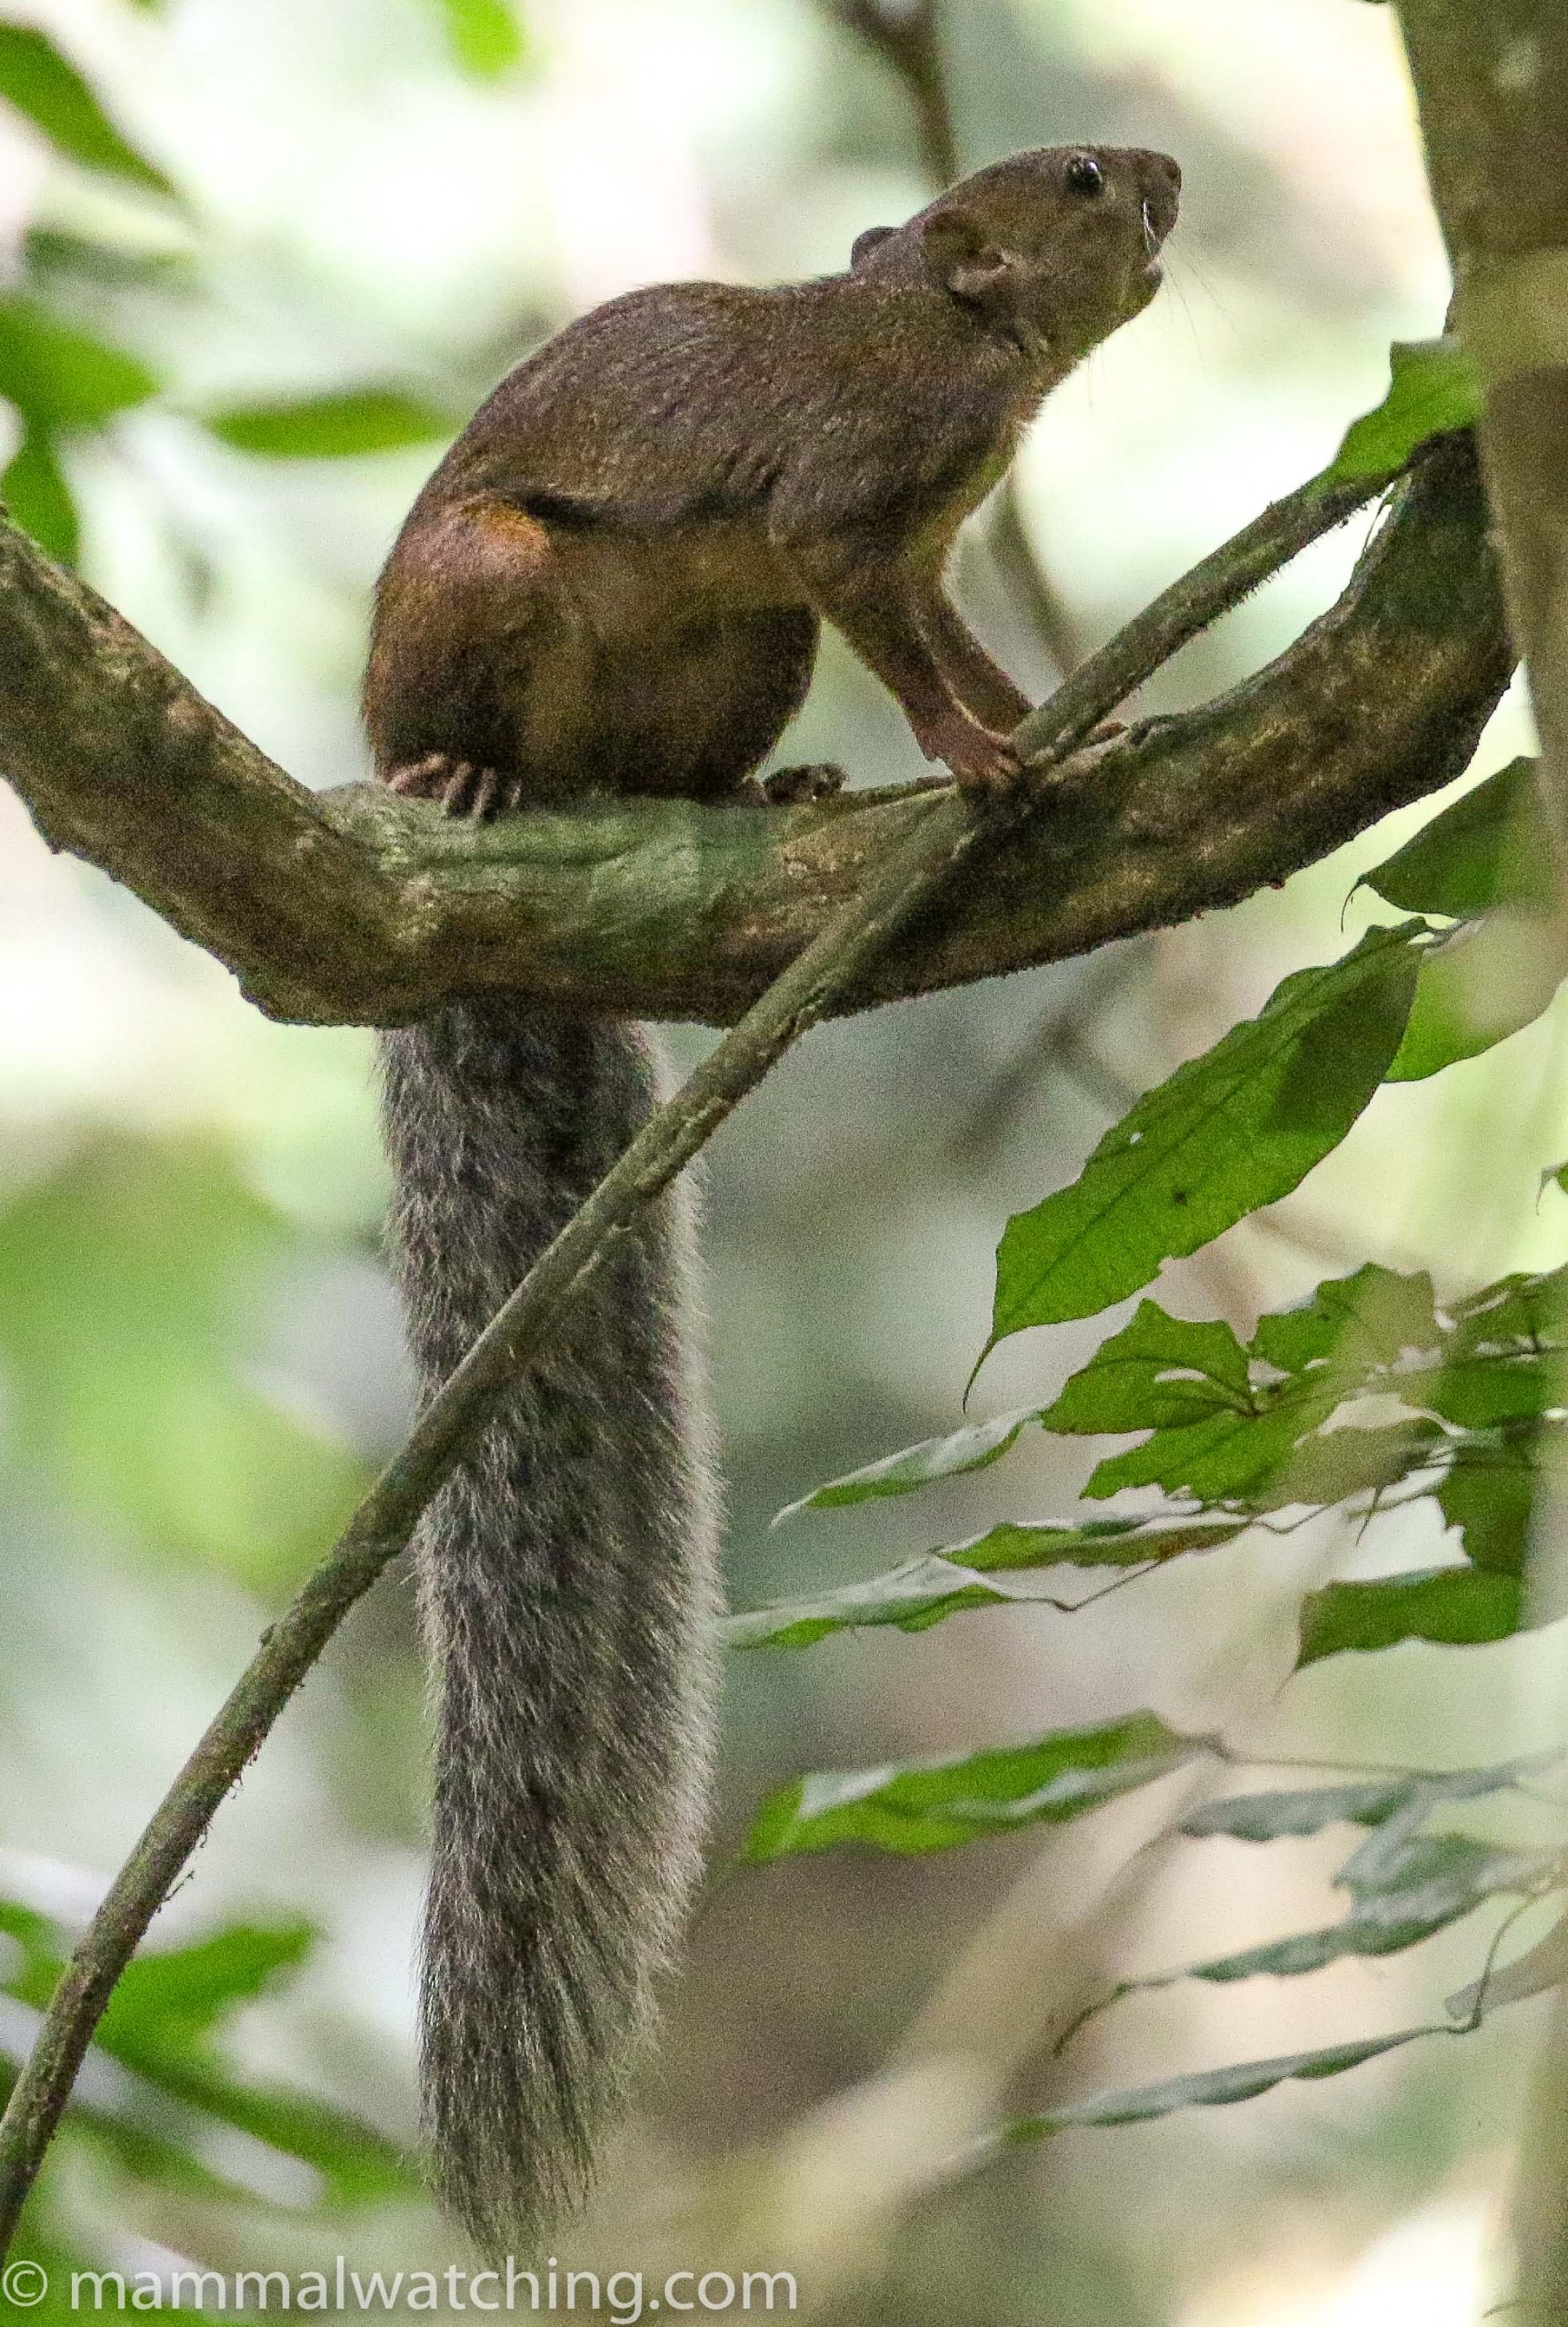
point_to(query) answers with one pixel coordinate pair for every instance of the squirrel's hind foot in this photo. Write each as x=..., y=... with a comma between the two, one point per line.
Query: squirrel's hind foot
x=462, y=788
x=820, y=781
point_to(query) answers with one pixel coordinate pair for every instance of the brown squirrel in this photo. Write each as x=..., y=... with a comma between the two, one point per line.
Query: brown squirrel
x=614, y=582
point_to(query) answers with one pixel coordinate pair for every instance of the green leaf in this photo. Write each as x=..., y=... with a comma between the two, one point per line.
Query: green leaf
x=923, y=1590
x=58, y=378
x=1233, y=1130
x=1490, y=1497
x=166, y=2117
x=40, y=83
x=484, y=36
x=1458, y=1605
x=1353, y=1323
x=1485, y=982
x=1540, y=1968
x=915, y=1807
x=1436, y=1880
x=1489, y=848
x=37, y=497
x=1362, y=1802
x=1433, y=388
x=128, y=1276
x=339, y=427
x=1229, y=1458
x=1517, y=1312
x=1210, y=2088
x=973, y=1448
x=1158, y=1372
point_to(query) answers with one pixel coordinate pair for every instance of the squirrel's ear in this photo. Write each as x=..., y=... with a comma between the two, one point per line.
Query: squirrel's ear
x=872, y=240
x=962, y=254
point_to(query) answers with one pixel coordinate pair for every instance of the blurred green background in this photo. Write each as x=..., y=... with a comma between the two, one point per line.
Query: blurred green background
x=199, y=1355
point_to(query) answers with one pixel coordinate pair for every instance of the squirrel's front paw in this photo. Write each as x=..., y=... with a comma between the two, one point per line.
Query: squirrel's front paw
x=818, y=781
x=461, y=788
x=981, y=760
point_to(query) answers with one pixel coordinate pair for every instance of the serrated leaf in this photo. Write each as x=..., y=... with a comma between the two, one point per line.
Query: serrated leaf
x=1159, y=1371
x=1229, y=1132
x=37, y=498
x=1490, y=1497
x=61, y=379
x=916, y=1807
x=1211, y=2088
x=1456, y=1605
x=1353, y=1323
x=973, y=1448
x=1527, y=1311
x=1491, y=848
x=42, y=83
x=1432, y=387
x=343, y=425
x=922, y=1592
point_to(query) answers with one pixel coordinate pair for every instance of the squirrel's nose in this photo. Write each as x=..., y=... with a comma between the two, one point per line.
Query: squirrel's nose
x=1162, y=177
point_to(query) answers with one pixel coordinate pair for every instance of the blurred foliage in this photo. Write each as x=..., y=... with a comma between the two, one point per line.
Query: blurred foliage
x=157, y=2099
x=139, y=1399
x=46, y=87
x=129, y=1274
x=486, y=35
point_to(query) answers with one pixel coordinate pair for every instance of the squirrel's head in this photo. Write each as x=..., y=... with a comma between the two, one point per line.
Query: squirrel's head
x=1053, y=248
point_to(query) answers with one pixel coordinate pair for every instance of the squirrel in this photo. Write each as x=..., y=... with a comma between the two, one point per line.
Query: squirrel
x=614, y=583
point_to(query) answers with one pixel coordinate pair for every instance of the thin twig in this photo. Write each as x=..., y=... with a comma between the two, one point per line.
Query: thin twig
x=1016, y=561
x=1057, y=1040
x=908, y=37
x=946, y=833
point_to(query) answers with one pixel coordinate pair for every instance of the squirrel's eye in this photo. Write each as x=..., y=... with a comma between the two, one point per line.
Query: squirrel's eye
x=1084, y=177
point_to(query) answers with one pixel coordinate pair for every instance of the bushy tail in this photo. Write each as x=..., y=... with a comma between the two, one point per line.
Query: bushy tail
x=567, y=1582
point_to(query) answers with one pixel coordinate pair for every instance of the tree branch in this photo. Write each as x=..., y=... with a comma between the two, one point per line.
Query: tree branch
x=1491, y=83
x=943, y=834
x=353, y=907
x=906, y=34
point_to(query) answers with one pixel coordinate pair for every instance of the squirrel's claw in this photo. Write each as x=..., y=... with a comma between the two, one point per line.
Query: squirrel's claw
x=461, y=788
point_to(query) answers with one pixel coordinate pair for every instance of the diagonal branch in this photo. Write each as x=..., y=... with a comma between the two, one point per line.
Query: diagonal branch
x=353, y=907
x=943, y=838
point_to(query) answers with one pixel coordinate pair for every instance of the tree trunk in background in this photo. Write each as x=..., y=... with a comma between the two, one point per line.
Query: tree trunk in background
x=1492, y=83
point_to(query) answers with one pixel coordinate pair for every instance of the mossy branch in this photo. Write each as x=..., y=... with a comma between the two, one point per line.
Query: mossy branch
x=351, y=907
